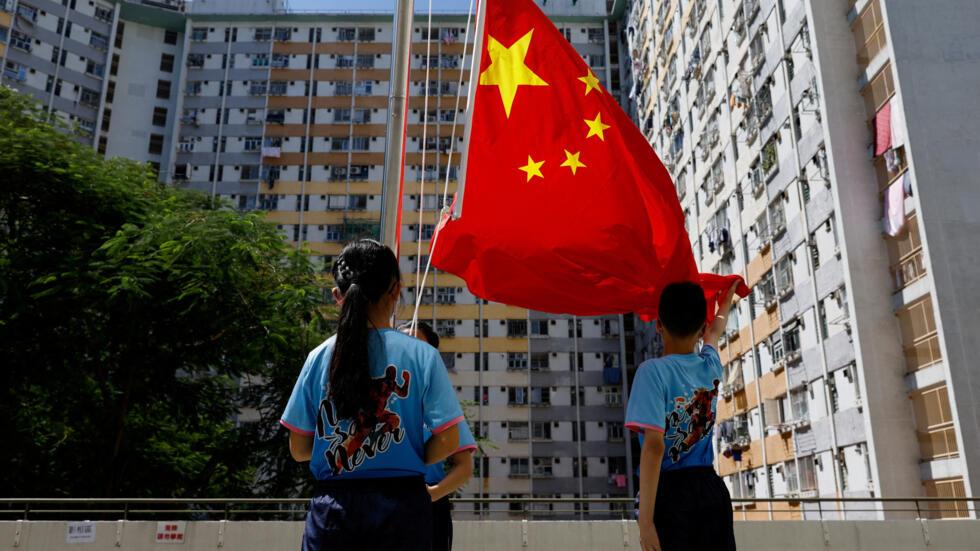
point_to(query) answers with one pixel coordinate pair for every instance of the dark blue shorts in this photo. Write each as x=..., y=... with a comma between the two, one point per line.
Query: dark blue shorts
x=383, y=514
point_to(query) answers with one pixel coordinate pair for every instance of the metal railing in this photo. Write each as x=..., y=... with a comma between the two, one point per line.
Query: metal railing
x=496, y=508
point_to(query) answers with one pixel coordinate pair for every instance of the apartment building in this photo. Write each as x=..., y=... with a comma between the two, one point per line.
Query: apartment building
x=783, y=124
x=286, y=113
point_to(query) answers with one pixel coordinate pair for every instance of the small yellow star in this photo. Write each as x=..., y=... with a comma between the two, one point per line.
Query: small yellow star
x=572, y=161
x=596, y=127
x=591, y=82
x=532, y=168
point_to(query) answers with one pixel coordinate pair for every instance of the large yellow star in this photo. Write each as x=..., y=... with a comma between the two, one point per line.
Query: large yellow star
x=591, y=82
x=596, y=127
x=507, y=70
x=532, y=168
x=572, y=161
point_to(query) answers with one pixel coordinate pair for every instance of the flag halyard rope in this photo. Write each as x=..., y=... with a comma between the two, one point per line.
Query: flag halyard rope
x=474, y=65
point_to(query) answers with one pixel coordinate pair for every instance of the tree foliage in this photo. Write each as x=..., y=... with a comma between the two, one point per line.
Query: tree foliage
x=150, y=337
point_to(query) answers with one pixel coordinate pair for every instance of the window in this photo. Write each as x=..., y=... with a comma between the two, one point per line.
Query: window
x=167, y=63
x=613, y=395
x=159, y=116
x=543, y=466
x=199, y=34
x=541, y=396
x=163, y=89
x=253, y=143
x=98, y=41
x=156, y=144
x=799, y=404
x=869, y=32
x=539, y=328
x=541, y=430
x=445, y=295
x=20, y=41
x=784, y=274
x=88, y=97
x=517, y=431
x=516, y=396
x=539, y=361
x=614, y=431
x=365, y=34
x=170, y=37
x=94, y=69
x=445, y=328
x=518, y=466
x=934, y=423
x=250, y=172
x=517, y=360
x=346, y=34
x=263, y=34
x=284, y=34
x=516, y=328
x=278, y=88
x=791, y=476
x=280, y=61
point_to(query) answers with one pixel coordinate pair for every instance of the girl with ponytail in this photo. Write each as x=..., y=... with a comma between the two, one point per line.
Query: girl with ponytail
x=363, y=405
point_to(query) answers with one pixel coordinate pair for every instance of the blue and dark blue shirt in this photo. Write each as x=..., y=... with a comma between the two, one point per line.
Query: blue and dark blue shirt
x=410, y=390
x=678, y=396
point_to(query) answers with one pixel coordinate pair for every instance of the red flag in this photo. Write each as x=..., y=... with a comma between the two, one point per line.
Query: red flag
x=566, y=208
x=715, y=286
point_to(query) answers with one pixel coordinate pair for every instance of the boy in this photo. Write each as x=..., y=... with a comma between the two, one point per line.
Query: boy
x=683, y=503
x=440, y=481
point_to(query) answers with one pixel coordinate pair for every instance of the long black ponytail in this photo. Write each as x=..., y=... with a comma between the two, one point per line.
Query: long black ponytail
x=365, y=271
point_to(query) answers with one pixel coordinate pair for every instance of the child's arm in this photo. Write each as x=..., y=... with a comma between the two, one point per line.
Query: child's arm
x=651, y=455
x=717, y=327
x=459, y=473
x=300, y=446
x=442, y=445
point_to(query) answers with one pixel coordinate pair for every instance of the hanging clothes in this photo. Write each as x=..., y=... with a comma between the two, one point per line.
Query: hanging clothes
x=897, y=122
x=907, y=183
x=895, y=208
x=620, y=480
x=891, y=160
x=883, y=129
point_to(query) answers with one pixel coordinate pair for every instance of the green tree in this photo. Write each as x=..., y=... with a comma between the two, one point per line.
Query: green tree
x=150, y=337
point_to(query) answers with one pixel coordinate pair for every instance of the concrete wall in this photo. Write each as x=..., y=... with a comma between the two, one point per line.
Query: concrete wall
x=888, y=415
x=936, y=52
x=506, y=535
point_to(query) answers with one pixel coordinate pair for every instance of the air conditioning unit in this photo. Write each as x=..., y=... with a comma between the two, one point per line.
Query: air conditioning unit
x=780, y=365
x=785, y=291
x=771, y=303
x=792, y=356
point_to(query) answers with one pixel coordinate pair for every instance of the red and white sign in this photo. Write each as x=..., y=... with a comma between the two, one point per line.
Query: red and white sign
x=171, y=532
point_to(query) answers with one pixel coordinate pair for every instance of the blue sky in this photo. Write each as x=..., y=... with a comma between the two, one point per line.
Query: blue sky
x=376, y=5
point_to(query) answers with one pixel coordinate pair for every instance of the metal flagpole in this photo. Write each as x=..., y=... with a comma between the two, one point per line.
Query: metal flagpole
x=475, y=61
x=391, y=187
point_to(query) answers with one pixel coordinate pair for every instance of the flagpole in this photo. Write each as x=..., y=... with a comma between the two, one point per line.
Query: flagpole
x=476, y=58
x=394, y=174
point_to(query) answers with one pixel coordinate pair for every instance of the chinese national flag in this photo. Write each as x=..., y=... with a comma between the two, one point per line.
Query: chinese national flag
x=566, y=208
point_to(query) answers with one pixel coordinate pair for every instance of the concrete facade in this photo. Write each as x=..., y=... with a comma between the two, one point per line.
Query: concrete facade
x=839, y=375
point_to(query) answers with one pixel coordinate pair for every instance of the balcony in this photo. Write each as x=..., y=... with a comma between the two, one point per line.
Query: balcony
x=908, y=259
x=923, y=352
